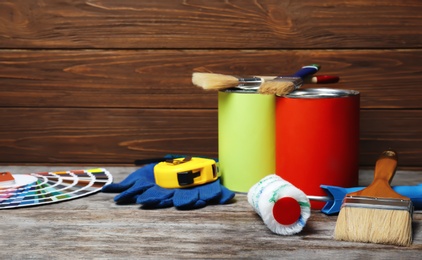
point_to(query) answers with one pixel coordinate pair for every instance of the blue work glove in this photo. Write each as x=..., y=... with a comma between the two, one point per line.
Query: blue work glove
x=136, y=183
x=140, y=187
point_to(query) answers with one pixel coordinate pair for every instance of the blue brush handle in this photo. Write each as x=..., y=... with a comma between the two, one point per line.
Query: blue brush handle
x=306, y=71
x=338, y=193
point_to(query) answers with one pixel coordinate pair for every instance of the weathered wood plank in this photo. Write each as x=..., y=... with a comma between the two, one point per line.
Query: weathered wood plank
x=78, y=135
x=162, y=79
x=210, y=24
x=391, y=129
x=94, y=227
x=104, y=135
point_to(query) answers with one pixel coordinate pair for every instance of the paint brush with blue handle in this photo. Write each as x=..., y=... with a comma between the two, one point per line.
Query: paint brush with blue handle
x=278, y=85
x=335, y=196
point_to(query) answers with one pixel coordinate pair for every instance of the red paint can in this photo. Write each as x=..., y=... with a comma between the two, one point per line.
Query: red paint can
x=317, y=140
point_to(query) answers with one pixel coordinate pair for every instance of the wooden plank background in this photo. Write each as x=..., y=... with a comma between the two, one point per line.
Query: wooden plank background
x=103, y=81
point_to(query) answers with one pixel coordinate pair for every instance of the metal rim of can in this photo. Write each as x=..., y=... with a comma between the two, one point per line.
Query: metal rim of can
x=239, y=90
x=321, y=93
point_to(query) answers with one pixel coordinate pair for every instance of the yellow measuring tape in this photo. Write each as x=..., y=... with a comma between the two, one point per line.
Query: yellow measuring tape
x=185, y=172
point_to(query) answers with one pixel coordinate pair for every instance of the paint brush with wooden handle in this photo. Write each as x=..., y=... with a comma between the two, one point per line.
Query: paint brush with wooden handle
x=377, y=214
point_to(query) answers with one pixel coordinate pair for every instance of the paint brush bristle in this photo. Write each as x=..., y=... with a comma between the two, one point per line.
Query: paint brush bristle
x=214, y=81
x=377, y=214
x=376, y=225
x=280, y=86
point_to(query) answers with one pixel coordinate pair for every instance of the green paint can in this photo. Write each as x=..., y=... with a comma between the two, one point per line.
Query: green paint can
x=246, y=138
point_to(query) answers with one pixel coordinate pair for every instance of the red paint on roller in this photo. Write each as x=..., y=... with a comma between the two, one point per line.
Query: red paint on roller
x=286, y=211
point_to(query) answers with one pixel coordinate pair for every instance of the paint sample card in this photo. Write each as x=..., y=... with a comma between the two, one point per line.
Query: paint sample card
x=50, y=187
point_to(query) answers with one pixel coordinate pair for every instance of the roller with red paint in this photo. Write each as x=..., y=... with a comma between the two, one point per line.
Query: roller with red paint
x=284, y=208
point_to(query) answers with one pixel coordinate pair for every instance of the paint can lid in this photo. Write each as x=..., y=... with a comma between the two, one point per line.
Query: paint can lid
x=321, y=93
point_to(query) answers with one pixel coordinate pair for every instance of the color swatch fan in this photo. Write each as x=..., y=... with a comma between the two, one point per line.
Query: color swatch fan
x=23, y=190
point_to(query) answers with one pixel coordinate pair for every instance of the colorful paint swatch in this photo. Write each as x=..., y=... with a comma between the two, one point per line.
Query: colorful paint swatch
x=50, y=187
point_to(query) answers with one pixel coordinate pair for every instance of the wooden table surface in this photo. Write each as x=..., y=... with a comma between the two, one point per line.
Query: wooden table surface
x=93, y=227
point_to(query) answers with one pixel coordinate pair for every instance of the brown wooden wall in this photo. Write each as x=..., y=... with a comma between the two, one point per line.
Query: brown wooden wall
x=109, y=81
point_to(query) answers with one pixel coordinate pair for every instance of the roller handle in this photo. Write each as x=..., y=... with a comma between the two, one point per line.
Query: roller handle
x=414, y=193
x=338, y=193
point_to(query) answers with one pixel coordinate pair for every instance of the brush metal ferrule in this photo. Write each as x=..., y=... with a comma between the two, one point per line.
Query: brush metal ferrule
x=251, y=83
x=378, y=203
x=297, y=82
